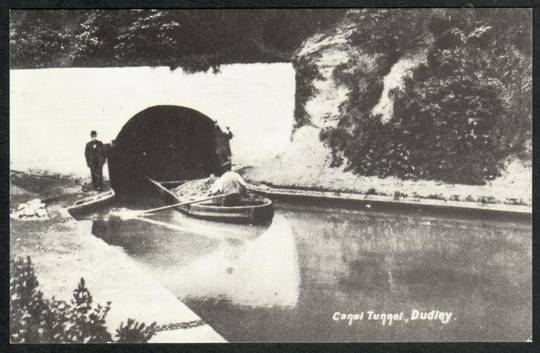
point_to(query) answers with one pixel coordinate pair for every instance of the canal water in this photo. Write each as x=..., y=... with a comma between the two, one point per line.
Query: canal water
x=291, y=280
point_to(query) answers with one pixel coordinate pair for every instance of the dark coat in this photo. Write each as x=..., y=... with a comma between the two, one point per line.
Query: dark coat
x=94, y=153
x=223, y=140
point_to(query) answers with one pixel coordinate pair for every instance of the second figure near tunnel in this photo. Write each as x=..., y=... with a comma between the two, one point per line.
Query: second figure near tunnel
x=223, y=148
x=95, y=155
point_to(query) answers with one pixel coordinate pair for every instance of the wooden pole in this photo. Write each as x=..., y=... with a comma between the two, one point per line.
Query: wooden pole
x=181, y=204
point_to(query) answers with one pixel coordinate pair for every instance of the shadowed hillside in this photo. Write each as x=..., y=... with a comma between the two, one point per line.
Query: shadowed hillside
x=195, y=40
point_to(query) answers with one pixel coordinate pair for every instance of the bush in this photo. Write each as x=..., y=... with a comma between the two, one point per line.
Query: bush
x=35, y=319
x=134, y=332
x=444, y=127
x=305, y=74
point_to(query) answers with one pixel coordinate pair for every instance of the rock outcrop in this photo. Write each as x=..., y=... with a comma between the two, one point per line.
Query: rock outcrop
x=33, y=210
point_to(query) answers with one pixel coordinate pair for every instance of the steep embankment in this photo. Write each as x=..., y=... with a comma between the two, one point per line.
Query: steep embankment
x=354, y=118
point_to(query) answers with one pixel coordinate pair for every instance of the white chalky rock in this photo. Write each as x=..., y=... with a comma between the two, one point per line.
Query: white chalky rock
x=31, y=210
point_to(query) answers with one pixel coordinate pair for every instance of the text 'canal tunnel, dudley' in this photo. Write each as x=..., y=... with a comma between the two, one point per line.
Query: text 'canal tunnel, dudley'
x=163, y=142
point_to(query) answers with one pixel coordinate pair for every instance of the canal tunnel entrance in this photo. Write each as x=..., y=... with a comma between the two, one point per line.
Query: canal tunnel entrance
x=165, y=143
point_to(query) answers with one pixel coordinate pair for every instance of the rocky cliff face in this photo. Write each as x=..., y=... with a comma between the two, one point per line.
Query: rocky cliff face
x=328, y=66
x=379, y=84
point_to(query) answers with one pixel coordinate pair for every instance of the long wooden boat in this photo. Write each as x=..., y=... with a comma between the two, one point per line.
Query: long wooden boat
x=256, y=211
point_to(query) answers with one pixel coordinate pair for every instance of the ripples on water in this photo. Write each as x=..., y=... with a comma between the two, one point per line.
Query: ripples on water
x=284, y=282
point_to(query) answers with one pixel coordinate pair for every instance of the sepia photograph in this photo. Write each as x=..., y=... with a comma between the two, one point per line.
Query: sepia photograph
x=250, y=175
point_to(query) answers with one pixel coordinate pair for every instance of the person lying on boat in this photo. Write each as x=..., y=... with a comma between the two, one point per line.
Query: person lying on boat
x=232, y=185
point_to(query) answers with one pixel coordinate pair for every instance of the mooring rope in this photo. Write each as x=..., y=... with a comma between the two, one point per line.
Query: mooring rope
x=180, y=325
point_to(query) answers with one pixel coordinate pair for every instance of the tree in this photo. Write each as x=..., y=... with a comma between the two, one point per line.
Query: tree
x=194, y=39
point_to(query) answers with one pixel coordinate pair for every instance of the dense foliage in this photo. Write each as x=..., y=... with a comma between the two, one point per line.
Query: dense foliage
x=34, y=319
x=459, y=113
x=195, y=40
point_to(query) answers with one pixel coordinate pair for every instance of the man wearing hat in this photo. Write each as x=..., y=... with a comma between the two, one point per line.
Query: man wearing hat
x=95, y=158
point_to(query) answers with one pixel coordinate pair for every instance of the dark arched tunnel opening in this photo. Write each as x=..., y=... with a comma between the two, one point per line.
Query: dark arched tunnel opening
x=165, y=143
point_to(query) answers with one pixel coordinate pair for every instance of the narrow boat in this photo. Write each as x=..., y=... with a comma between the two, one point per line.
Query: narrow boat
x=258, y=210
x=91, y=204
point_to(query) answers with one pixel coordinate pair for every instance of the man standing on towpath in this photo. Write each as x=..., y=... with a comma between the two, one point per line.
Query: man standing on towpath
x=95, y=158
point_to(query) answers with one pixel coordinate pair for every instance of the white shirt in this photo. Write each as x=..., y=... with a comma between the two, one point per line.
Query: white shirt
x=228, y=183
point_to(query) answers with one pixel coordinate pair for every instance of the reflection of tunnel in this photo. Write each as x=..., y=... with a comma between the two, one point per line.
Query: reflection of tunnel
x=164, y=142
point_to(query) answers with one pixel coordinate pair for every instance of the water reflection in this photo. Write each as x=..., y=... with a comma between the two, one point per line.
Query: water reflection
x=247, y=265
x=260, y=272
x=284, y=282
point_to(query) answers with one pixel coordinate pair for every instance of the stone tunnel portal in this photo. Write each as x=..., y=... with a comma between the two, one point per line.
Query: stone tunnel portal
x=165, y=143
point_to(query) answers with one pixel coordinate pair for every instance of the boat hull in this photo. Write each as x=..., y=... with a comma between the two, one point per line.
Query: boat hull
x=257, y=211
x=91, y=204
